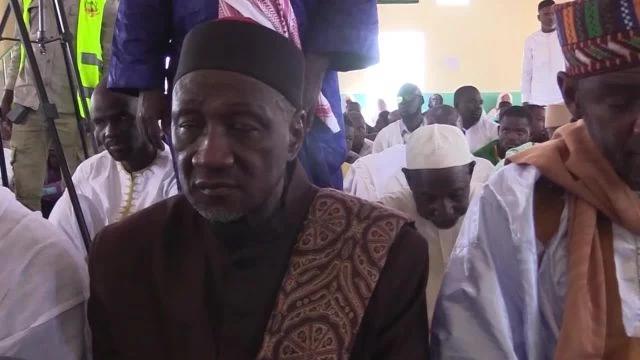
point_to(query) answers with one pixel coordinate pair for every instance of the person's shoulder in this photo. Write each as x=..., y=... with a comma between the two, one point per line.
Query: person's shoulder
x=135, y=234
x=512, y=184
x=533, y=36
x=359, y=207
x=100, y=162
x=401, y=200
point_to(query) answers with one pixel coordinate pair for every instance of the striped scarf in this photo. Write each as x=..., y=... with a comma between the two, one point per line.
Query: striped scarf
x=279, y=16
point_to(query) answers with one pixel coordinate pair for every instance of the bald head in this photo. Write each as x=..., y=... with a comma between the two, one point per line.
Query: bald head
x=445, y=115
x=114, y=115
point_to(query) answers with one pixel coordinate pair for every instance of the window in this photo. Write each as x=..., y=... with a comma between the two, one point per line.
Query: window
x=402, y=60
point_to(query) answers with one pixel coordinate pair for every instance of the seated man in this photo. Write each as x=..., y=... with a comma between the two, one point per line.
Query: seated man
x=478, y=127
x=546, y=264
x=538, y=120
x=410, y=101
x=127, y=177
x=443, y=115
x=439, y=170
x=360, y=144
x=514, y=131
x=44, y=286
x=368, y=176
x=252, y=258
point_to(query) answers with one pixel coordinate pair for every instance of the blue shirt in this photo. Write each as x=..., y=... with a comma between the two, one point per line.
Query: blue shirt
x=148, y=31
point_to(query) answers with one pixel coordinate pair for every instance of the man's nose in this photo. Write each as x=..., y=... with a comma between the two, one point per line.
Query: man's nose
x=215, y=150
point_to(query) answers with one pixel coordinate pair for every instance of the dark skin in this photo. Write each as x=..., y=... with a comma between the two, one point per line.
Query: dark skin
x=441, y=195
x=470, y=108
x=410, y=110
x=538, y=131
x=153, y=104
x=445, y=115
x=513, y=132
x=114, y=117
x=435, y=100
x=610, y=107
x=547, y=19
x=234, y=137
x=359, y=131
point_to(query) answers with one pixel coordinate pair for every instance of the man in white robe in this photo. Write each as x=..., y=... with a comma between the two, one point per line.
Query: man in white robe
x=44, y=286
x=546, y=265
x=410, y=101
x=127, y=177
x=543, y=60
x=479, y=129
x=439, y=172
x=367, y=177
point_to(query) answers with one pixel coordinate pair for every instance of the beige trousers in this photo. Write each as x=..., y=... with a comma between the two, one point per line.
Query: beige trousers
x=30, y=142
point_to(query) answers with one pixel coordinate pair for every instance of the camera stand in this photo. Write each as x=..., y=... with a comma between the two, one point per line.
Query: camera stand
x=48, y=109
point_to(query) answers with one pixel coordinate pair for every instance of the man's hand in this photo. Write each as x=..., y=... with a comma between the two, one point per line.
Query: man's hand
x=152, y=107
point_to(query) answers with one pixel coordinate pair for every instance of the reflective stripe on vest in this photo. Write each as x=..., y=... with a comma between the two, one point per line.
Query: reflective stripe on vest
x=89, y=47
x=27, y=23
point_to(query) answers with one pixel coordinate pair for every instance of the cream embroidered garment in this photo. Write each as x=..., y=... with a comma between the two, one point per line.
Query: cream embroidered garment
x=109, y=193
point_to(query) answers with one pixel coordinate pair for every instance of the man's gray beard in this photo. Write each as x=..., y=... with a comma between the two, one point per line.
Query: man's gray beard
x=220, y=215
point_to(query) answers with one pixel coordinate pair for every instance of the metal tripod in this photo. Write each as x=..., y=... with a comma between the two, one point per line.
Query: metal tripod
x=49, y=110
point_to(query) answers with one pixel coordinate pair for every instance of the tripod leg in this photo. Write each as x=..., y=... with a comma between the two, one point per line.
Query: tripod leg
x=50, y=113
x=72, y=70
x=3, y=166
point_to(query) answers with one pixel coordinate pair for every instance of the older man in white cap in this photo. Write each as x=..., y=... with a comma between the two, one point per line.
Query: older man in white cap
x=439, y=171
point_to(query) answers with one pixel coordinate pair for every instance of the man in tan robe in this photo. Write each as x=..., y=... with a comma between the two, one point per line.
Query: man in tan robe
x=252, y=261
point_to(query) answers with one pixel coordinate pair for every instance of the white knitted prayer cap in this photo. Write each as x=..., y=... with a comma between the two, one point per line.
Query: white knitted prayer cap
x=437, y=147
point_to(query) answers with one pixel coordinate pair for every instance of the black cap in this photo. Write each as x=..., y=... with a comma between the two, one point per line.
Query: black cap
x=243, y=46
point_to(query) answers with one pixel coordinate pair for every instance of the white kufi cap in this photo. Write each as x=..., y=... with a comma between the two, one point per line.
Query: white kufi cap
x=437, y=147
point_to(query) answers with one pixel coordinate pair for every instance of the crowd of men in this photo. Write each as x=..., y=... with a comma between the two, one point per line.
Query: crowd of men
x=227, y=220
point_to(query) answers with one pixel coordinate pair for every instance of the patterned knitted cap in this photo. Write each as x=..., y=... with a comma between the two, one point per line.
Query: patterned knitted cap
x=599, y=36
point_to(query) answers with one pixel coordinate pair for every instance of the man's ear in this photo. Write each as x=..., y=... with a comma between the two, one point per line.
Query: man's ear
x=297, y=131
x=569, y=88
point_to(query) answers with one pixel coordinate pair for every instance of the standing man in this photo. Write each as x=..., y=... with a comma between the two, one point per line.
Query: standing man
x=438, y=173
x=543, y=60
x=410, y=101
x=546, y=265
x=479, y=129
x=252, y=258
x=30, y=140
x=335, y=36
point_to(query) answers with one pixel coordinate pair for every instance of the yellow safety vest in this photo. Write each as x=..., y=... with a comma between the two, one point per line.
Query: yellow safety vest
x=88, y=45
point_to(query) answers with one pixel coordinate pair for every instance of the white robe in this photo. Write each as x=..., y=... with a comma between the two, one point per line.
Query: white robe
x=44, y=286
x=440, y=241
x=482, y=133
x=8, y=154
x=368, y=175
x=495, y=301
x=393, y=134
x=543, y=59
x=108, y=193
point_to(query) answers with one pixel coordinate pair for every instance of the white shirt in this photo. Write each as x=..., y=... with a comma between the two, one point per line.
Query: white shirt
x=543, y=59
x=481, y=174
x=440, y=241
x=367, y=148
x=395, y=133
x=368, y=175
x=44, y=286
x=496, y=297
x=108, y=193
x=482, y=133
